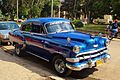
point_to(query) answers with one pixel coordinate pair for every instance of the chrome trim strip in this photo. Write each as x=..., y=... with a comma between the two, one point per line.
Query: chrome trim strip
x=33, y=33
x=87, y=57
x=37, y=56
x=94, y=51
x=86, y=65
x=82, y=66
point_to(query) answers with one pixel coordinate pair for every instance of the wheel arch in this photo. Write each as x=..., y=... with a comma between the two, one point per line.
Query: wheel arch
x=56, y=54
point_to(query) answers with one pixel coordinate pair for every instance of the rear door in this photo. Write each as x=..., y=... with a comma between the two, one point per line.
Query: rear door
x=38, y=38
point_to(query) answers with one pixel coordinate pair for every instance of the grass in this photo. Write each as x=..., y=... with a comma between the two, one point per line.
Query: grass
x=93, y=28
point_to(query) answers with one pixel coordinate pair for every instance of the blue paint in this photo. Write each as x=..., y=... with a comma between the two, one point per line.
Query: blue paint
x=45, y=45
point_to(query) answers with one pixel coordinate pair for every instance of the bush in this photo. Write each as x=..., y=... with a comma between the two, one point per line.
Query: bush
x=78, y=23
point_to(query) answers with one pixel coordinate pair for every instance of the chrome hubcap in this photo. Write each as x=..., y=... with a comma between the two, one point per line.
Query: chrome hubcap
x=60, y=65
x=17, y=50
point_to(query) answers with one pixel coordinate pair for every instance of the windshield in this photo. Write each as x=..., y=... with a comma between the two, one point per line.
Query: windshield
x=6, y=26
x=59, y=27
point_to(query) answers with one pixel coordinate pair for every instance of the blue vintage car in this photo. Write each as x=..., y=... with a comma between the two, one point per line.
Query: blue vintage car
x=5, y=28
x=56, y=40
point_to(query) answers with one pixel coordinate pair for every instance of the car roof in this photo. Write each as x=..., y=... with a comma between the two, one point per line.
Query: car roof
x=45, y=20
x=7, y=22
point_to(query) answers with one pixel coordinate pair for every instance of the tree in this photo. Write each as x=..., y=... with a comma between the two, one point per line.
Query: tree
x=31, y=8
x=47, y=7
x=26, y=7
x=69, y=7
x=8, y=8
x=116, y=7
x=89, y=8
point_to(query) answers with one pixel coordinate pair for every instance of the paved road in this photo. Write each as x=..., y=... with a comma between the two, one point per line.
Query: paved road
x=32, y=68
x=111, y=70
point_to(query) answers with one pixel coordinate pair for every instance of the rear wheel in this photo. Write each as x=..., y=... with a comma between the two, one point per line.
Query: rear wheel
x=60, y=66
x=18, y=50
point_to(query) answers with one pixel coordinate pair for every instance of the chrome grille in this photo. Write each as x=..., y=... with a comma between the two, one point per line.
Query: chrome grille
x=92, y=54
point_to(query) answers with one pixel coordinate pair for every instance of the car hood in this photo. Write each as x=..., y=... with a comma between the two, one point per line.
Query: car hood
x=84, y=40
x=76, y=36
x=4, y=32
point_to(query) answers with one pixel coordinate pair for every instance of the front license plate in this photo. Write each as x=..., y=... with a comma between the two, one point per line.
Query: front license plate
x=99, y=62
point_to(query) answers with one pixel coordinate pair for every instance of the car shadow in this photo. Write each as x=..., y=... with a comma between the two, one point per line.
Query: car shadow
x=29, y=61
x=84, y=73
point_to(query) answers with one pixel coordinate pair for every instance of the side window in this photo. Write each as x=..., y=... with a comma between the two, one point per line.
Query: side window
x=42, y=30
x=37, y=28
x=26, y=27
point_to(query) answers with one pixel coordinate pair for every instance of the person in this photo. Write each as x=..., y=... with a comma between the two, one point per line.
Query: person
x=109, y=27
x=114, y=28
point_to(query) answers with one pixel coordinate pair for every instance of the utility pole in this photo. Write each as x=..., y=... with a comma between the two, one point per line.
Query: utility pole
x=75, y=9
x=59, y=10
x=52, y=9
x=60, y=7
x=17, y=10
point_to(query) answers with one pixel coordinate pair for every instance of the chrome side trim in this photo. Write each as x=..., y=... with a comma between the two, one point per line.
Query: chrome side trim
x=37, y=56
x=94, y=51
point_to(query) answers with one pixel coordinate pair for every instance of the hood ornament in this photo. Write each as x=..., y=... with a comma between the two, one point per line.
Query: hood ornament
x=68, y=39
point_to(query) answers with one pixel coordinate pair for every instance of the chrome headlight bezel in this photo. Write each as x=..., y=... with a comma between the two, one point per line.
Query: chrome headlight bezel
x=76, y=49
x=107, y=42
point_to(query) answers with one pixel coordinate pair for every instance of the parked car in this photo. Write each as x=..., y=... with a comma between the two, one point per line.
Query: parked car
x=5, y=28
x=56, y=40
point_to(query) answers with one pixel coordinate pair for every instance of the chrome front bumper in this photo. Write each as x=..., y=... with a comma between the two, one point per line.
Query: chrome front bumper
x=87, y=64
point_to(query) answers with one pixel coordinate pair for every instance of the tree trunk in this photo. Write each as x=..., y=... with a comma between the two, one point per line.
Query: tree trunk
x=11, y=17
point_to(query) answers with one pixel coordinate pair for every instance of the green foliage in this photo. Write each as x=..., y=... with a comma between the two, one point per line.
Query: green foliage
x=46, y=11
x=31, y=8
x=23, y=10
x=73, y=8
x=77, y=23
x=101, y=7
x=116, y=6
x=93, y=28
x=8, y=8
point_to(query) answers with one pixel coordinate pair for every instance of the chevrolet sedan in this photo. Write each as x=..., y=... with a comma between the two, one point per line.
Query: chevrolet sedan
x=56, y=41
x=5, y=28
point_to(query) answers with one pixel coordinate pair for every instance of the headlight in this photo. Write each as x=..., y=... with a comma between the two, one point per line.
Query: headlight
x=107, y=42
x=76, y=49
x=72, y=59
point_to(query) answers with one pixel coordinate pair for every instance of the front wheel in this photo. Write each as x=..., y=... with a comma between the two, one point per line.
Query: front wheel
x=60, y=66
x=118, y=35
x=110, y=35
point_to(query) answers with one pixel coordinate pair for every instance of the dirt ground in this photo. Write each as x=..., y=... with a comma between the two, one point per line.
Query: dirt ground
x=29, y=67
